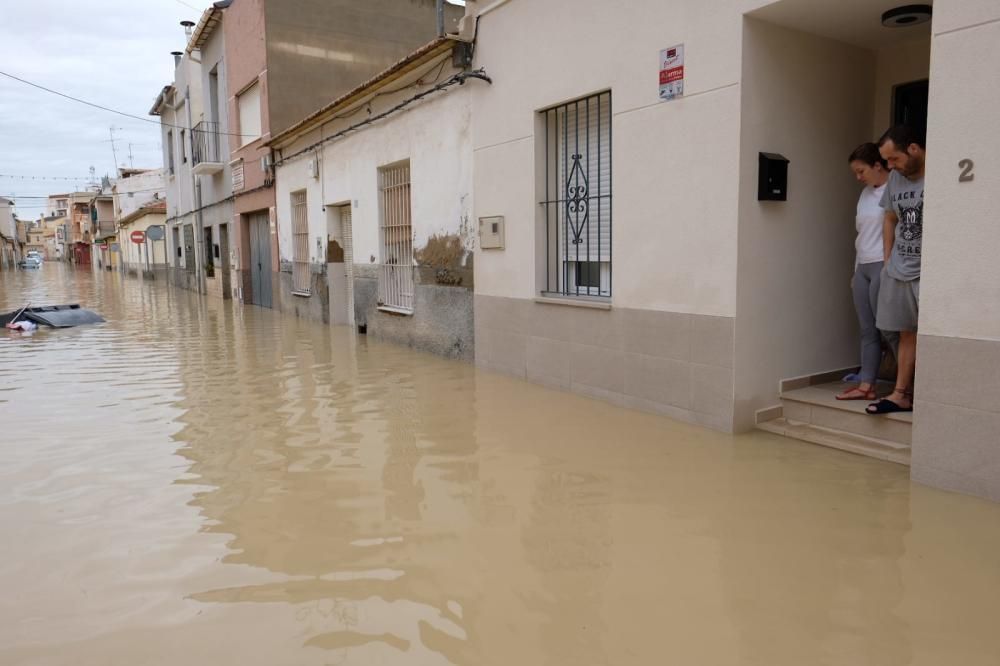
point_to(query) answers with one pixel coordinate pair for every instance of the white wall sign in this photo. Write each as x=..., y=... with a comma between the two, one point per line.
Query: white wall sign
x=672, y=72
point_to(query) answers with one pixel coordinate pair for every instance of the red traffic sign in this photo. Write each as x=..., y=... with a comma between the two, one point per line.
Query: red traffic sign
x=138, y=237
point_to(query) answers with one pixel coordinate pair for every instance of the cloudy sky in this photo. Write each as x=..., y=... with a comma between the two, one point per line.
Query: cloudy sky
x=111, y=52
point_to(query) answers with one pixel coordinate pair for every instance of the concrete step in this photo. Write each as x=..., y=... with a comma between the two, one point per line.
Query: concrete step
x=872, y=447
x=818, y=406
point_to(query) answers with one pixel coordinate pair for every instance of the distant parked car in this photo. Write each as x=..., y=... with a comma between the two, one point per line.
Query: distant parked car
x=31, y=262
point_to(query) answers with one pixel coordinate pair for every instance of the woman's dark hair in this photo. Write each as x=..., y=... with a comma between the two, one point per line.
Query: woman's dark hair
x=868, y=153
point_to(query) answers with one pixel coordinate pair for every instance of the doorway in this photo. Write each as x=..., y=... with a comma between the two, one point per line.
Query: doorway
x=909, y=106
x=260, y=259
x=340, y=271
x=222, y=254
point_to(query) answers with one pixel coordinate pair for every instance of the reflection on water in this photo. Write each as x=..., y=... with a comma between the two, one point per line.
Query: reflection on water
x=201, y=484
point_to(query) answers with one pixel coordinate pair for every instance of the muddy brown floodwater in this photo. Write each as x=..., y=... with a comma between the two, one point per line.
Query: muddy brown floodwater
x=192, y=483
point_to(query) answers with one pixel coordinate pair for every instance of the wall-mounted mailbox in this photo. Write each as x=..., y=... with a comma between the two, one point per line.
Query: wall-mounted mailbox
x=491, y=233
x=772, y=177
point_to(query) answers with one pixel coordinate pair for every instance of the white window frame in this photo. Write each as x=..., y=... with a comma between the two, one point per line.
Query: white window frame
x=395, y=278
x=249, y=113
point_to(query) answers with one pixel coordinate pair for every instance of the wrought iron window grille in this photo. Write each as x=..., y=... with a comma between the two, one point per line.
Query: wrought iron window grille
x=577, y=203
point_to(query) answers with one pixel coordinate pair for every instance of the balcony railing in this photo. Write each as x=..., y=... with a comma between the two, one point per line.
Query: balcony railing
x=206, y=147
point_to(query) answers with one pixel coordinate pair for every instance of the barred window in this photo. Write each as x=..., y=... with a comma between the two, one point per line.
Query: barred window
x=395, y=279
x=577, y=203
x=300, y=244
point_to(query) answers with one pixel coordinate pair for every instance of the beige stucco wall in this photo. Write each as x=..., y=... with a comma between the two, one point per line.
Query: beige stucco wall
x=957, y=418
x=675, y=163
x=808, y=99
x=961, y=274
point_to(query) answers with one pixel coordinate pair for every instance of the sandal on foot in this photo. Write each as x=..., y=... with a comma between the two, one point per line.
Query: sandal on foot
x=886, y=406
x=857, y=394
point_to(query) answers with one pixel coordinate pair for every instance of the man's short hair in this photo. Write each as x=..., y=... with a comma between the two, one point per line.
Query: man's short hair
x=901, y=136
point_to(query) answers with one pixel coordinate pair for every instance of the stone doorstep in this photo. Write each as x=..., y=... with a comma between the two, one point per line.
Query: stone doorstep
x=824, y=395
x=843, y=441
x=809, y=411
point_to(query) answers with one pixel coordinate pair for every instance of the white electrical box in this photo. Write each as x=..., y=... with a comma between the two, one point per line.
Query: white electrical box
x=491, y=233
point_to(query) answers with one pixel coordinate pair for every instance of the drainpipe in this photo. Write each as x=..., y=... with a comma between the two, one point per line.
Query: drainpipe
x=199, y=236
x=440, y=18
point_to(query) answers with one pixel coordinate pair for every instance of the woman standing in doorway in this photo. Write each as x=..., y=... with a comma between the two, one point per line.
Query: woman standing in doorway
x=871, y=170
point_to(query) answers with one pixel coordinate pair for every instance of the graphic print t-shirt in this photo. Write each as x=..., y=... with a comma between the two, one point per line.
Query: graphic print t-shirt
x=905, y=198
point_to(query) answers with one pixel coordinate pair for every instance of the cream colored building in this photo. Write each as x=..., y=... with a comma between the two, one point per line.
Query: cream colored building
x=150, y=257
x=698, y=300
x=374, y=221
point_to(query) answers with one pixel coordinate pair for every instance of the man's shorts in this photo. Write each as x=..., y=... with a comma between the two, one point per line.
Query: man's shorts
x=898, y=304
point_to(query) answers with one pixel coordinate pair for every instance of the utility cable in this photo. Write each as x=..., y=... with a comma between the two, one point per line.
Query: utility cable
x=110, y=110
x=457, y=79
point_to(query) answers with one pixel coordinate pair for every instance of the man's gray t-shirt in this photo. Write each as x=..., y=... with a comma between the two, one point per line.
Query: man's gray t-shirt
x=905, y=198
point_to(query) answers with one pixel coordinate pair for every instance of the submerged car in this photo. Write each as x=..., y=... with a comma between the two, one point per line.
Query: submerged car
x=30, y=262
x=55, y=316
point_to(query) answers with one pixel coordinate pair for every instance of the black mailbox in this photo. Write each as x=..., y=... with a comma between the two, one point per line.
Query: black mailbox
x=772, y=177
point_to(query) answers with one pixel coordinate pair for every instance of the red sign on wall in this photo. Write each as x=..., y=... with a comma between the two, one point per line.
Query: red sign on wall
x=672, y=72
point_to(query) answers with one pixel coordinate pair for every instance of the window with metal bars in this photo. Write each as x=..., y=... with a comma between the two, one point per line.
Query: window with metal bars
x=577, y=203
x=300, y=244
x=395, y=279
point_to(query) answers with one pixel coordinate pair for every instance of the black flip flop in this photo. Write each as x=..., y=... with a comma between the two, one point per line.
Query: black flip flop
x=886, y=406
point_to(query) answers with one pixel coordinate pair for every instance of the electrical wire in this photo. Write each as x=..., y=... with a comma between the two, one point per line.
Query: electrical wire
x=9, y=175
x=55, y=196
x=457, y=79
x=110, y=110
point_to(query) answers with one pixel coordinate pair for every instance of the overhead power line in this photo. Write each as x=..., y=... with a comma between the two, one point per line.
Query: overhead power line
x=109, y=109
x=10, y=175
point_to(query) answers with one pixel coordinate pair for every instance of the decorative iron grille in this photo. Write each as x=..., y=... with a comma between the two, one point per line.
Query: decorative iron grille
x=578, y=197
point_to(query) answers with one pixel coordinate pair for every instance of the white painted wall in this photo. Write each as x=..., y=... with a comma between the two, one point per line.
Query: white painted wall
x=135, y=191
x=960, y=278
x=809, y=99
x=434, y=135
x=675, y=163
x=217, y=186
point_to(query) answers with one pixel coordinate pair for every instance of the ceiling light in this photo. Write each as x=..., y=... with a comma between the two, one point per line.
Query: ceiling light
x=906, y=16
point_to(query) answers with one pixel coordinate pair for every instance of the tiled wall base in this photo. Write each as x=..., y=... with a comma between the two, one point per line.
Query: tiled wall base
x=956, y=418
x=675, y=364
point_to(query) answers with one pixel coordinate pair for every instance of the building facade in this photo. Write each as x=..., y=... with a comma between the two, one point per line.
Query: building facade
x=285, y=61
x=640, y=262
x=149, y=257
x=10, y=249
x=375, y=221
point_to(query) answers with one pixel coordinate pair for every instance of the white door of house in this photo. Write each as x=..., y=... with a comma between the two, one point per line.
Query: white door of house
x=340, y=265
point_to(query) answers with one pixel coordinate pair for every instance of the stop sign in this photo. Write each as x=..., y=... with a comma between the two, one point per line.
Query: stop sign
x=137, y=237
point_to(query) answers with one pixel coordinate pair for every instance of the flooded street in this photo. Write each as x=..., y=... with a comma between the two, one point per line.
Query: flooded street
x=196, y=483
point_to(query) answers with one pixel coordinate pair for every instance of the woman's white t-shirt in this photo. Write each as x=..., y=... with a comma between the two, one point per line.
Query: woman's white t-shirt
x=868, y=222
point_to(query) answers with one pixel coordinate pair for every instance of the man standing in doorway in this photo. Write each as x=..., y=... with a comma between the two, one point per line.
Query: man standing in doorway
x=902, y=234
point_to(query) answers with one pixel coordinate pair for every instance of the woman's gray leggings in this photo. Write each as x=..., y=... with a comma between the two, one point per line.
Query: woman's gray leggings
x=865, y=286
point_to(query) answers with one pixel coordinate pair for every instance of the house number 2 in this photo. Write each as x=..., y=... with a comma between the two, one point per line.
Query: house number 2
x=966, y=167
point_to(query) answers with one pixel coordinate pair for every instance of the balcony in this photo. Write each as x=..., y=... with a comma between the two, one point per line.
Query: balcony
x=206, y=150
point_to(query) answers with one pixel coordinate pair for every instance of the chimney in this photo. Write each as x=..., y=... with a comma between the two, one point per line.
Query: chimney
x=177, y=57
x=188, y=28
